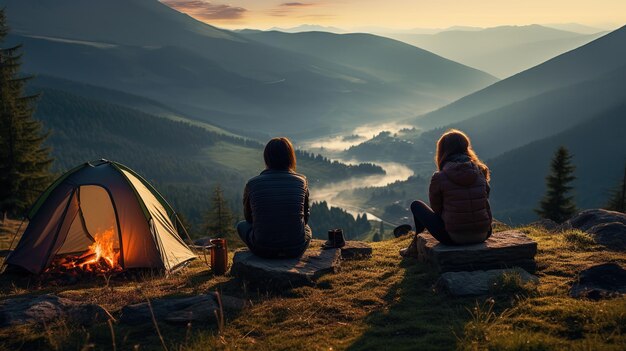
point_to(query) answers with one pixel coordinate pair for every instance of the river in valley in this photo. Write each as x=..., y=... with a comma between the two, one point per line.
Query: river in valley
x=332, y=146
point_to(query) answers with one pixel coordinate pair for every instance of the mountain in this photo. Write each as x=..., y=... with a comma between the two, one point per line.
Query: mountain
x=599, y=153
x=590, y=61
x=309, y=28
x=530, y=106
x=117, y=97
x=501, y=51
x=391, y=60
x=577, y=100
x=575, y=27
x=145, y=48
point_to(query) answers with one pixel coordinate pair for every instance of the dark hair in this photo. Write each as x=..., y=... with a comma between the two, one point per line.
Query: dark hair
x=456, y=142
x=279, y=154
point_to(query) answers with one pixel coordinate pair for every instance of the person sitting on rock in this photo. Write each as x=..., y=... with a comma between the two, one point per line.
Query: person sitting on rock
x=459, y=211
x=276, y=206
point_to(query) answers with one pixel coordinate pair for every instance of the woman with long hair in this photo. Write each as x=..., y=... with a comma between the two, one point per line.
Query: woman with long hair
x=276, y=206
x=459, y=211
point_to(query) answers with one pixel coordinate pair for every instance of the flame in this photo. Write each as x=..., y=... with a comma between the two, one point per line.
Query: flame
x=103, y=249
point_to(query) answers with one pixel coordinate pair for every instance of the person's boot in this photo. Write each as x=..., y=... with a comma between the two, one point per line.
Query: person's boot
x=411, y=250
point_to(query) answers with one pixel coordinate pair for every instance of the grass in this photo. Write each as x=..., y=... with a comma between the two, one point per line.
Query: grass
x=377, y=304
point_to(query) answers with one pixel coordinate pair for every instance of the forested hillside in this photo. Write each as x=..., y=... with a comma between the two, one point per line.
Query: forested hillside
x=184, y=161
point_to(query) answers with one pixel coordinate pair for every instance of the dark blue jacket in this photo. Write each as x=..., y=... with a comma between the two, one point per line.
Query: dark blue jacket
x=276, y=202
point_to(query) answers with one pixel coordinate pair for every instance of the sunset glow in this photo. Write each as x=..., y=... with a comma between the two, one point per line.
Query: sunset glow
x=402, y=14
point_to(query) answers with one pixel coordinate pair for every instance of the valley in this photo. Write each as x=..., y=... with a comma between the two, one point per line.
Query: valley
x=198, y=102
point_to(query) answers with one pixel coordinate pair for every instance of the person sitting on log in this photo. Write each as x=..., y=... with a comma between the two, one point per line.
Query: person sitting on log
x=276, y=206
x=459, y=211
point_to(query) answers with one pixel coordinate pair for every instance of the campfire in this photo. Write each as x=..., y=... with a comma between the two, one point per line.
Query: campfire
x=100, y=258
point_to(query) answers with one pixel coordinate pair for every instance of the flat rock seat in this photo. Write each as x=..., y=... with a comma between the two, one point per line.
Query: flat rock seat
x=285, y=273
x=504, y=249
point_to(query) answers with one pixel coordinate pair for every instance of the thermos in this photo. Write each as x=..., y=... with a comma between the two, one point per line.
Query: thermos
x=219, y=256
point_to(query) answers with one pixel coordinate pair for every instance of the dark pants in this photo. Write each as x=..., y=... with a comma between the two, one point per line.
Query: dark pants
x=426, y=218
x=244, y=229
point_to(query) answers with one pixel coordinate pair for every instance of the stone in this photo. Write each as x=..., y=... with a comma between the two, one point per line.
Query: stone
x=608, y=228
x=612, y=235
x=356, y=250
x=587, y=219
x=504, y=249
x=204, y=241
x=477, y=282
x=231, y=302
x=601, y=281
x=199, y=308
x=48, y=308
x=285, y=273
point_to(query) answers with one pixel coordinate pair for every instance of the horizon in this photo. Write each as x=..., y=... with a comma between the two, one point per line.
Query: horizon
x=401, y=15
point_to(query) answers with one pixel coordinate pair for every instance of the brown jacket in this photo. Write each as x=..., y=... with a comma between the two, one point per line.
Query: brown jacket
x=459, y=193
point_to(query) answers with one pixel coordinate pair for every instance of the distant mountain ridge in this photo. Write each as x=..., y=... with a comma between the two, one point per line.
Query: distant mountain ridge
x=501, y=51
x=145, y=48
x=591, y=60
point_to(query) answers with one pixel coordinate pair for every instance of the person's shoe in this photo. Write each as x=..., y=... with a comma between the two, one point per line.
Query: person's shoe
x=411, y=250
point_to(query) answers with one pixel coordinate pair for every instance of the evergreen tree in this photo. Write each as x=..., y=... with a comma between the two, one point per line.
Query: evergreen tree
x=219, y=220
x=24, y=162
x=617, y=201
x=557, y=204
x=381, y=230
x=376, y=237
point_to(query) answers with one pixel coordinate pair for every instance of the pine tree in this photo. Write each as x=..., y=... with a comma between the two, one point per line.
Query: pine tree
x=557, y=204
x=376, y=238
x=617, y=201
x=219, y=220
x=381, y=230
x=24, y=161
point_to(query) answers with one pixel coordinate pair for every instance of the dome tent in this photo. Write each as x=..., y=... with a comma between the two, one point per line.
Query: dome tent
x=96, y=197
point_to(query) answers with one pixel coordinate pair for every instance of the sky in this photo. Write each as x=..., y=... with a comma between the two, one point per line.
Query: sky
x=402, y=14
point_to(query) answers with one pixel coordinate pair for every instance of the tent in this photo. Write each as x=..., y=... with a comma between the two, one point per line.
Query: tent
x=97, y=197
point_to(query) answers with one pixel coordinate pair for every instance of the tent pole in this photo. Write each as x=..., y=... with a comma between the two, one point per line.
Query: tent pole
x=11, y=245
x=182, y=226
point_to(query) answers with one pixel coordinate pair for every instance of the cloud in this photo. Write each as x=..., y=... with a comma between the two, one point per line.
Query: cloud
x=206, y=10
x=296, y=4
x=287, y=8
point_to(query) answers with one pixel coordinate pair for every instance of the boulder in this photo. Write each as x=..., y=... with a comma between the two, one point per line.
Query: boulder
x=204, y=241
x=608, y=228
x=612, y=235
x=285, y=273
x=600, y=281
x=587, y=219
x=49, y=308
x=476, y=282
x=504, y=249
x=356, y=250
x=199, y=308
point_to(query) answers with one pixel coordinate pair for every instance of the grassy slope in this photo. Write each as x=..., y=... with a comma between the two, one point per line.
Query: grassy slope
x=382, y=303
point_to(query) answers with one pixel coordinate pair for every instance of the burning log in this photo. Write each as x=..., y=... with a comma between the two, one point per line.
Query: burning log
x=85, y=259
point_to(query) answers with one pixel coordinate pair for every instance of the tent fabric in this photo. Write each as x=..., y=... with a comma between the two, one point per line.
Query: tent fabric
x=94, y=198
x=173, y=249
